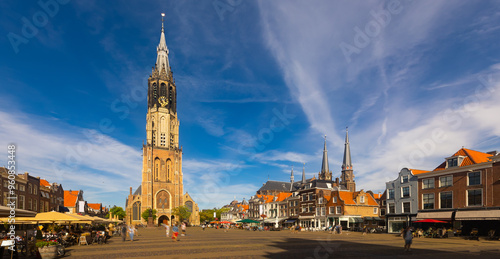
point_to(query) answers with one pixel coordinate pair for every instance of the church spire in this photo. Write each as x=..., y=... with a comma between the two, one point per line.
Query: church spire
x=324, y=163
x=162, y=52
x=304, y=173
x=347, y=164
x=291, y=180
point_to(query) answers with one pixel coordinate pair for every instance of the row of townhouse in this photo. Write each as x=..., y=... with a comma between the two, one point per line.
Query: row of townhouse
x=236, y=211
x=38, y=195
x=464, y=190
x=317, y=203
x=32, y=193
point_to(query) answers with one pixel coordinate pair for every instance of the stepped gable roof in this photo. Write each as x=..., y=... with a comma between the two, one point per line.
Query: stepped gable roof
x=138, y=191
x=472, y=157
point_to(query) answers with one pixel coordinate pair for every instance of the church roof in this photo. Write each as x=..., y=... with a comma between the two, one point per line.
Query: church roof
x=138, y=191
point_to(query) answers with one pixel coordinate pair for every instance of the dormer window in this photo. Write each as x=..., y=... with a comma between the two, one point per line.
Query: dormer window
x=362, y=199
x=454, y=161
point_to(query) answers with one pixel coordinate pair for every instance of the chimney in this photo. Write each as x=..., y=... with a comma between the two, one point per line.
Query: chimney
x=493, y=153
x=130, y=190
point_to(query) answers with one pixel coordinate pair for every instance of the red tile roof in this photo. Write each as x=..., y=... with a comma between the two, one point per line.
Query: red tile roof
x=416, y=171
x=70, y=198
x=95, y=206
x=283, y=195
x=44, y=182
x=471, y=157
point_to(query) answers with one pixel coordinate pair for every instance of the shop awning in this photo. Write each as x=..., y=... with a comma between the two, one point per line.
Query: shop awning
x=478, y=215
x=368, y=218
x=355, y=220
x=290, y=221
x=378, y=219
x=440, y=215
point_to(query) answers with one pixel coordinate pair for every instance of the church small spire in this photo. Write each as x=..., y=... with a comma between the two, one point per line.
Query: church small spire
x=324, y=163
x=291, y=180
x=304, y=173
x=347, y=164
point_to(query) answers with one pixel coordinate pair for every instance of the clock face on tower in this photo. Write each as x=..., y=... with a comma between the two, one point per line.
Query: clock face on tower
x=163, y=101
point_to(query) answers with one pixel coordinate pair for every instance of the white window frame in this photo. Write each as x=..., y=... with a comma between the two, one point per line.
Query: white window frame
x=323, y=211
x=320, y=200
x=389, y=207
x=362, y=199
x=403, y=207
x=432, y=180
x=409, y=191
x=434, y=204
x=389, y=194
x=440, y=183
x=467, y=197
x=407, y=178
x=451, y=200
x=337, y=208
x=331, y=209
x=480, y=178
x=375, y=210
x=335, y=199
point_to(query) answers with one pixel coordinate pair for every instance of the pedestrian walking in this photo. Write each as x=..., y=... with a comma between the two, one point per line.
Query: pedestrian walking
x=408, y=237
x=203, y=227
x=167, y=230
x=124, y=232
x=131, y=232
x=175, y=233
x=183, y=228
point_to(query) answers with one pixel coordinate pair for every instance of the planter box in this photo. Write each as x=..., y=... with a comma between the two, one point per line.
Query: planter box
x=48, y=252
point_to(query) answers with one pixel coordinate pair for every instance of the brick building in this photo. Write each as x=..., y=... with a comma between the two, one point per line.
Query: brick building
x=464, y=190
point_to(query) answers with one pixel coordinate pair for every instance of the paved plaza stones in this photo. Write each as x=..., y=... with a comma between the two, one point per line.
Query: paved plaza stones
x=212, y=243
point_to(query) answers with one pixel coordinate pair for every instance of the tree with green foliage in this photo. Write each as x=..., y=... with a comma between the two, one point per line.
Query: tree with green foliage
x=208, y=215
x=182, y=213
x=117, y=211
x=145, y=215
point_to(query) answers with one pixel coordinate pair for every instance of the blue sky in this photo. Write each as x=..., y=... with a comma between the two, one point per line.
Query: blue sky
x=259, y=84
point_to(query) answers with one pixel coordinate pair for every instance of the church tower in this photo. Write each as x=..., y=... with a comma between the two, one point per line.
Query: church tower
x=162, y=187
x=162, y=184
x=347, y=176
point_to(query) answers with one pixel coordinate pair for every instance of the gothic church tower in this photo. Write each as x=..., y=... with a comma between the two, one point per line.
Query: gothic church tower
x=162, y=180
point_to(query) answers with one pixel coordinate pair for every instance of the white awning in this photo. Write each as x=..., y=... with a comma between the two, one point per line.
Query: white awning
x=478, y=215
x=440, y=215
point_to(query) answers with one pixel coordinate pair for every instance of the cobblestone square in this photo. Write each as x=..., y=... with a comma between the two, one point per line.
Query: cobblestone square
x=213, y=243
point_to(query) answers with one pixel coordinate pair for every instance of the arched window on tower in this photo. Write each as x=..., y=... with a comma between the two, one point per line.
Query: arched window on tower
x=170, y=95
x=162, y=200
x=136, y=211
x=155, y=91
x=163, y=89
x=169, y=170
x=157, y=167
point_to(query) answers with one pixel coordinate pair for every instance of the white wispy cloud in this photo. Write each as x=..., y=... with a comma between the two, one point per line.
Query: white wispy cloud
x=76, y=157
x=394, y=117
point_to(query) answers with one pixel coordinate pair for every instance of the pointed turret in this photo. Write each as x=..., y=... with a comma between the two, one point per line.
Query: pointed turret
x=304, y=173
x=347, y=176
x=324, y=163
x=162, y=64
x=347, y=164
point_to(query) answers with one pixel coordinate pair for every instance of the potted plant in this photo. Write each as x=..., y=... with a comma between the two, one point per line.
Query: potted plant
x=47, y=249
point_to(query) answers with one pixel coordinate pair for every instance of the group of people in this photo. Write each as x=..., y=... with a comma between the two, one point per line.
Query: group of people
x=130, y=230
x=175, y=231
